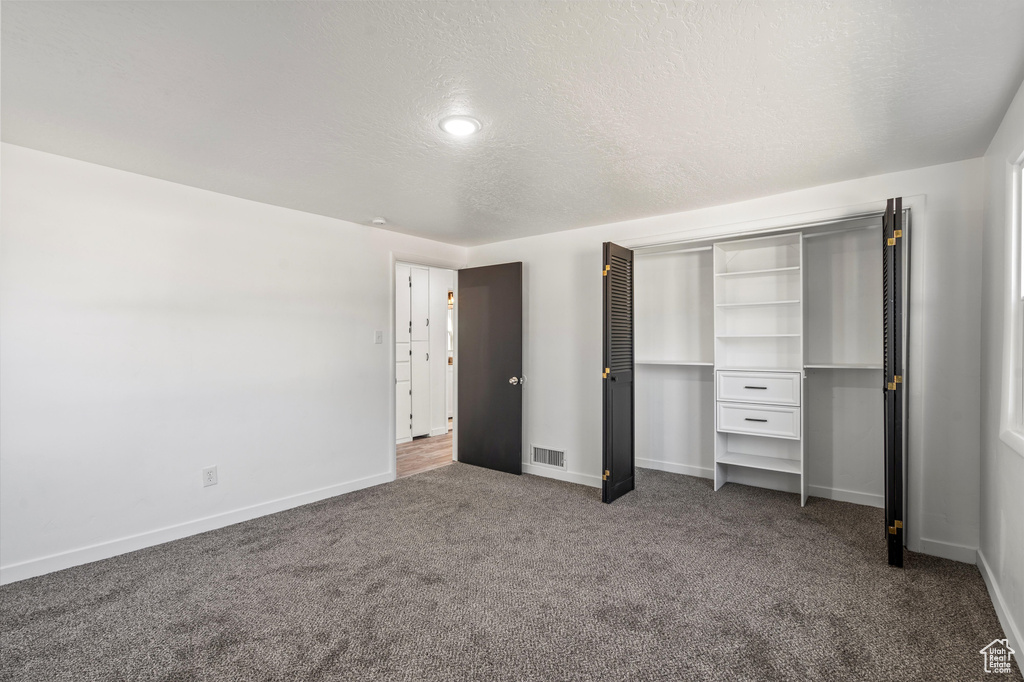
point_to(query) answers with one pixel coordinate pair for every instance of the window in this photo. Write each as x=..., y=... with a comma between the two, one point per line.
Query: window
x=1012, y=426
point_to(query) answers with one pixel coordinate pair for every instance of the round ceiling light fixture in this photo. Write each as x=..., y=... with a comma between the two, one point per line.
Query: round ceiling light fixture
x=379, y=221
x=460, y=126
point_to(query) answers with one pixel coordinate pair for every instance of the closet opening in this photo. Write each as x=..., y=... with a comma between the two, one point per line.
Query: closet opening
x=766, y=360
x=424, y=367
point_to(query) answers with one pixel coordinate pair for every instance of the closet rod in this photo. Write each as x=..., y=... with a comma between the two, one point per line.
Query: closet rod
x=812, y=235
x=690, y=250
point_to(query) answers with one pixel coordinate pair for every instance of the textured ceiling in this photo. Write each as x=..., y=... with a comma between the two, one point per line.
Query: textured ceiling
x=593, y=112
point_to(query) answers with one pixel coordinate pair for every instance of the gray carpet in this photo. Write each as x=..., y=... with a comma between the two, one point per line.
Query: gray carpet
x=466, y=574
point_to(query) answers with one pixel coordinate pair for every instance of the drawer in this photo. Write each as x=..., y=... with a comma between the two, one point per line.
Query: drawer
x=773, y=388
x=759, y=420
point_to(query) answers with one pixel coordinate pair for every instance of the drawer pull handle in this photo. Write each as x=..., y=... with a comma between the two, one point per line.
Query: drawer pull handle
x=763, y=388
x=751, y=419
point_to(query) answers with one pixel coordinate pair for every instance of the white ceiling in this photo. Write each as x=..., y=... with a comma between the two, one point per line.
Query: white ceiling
x=593, y=112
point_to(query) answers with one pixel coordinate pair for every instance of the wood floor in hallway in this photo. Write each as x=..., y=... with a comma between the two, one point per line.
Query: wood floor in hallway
x=424, y=454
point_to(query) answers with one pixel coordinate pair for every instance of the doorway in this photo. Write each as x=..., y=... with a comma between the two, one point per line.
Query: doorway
x=424, y=367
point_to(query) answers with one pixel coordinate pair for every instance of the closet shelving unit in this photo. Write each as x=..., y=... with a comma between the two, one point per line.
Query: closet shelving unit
x=758, y=291
x=802, y=306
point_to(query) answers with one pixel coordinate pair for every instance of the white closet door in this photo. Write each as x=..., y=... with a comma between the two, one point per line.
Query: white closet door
x=403, y=411
x=420, y=303
x=420, y=387
x=402, y=304
x=403, y=369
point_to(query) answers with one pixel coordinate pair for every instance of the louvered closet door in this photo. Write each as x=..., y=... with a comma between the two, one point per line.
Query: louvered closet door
x=895, y=237
x=619, y=399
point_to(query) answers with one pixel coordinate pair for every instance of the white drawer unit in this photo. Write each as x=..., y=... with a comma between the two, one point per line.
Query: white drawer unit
x=771, y=388
x=759, y=420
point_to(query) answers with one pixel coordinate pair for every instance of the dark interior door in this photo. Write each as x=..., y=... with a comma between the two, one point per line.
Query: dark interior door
x=618, y=438
x=490, y=356
x=894, y=239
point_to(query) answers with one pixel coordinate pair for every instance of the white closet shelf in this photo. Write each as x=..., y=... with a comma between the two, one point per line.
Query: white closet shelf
x=789, y=466
x=751, y=368
x=681, y=363
x=768, y=271
x=756, y=304
x=842, y=365
x=757, y=336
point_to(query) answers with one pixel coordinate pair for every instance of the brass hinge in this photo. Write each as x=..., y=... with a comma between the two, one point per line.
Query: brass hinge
x=898, y=379
x=607, y=371
x=894, y=526
x=606, y=475
x=896, y=234
x=891, y=386
x=604, y=273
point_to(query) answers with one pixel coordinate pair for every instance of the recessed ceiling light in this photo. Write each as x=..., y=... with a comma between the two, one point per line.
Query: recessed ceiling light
x=460, y=126
x=379, y=221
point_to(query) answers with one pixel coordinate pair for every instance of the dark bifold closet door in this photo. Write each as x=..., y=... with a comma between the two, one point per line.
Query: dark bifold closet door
x=895, y=237
x=618, y=372
x=490, y=349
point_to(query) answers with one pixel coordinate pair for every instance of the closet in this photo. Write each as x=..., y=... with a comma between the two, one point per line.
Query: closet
x=412, y=352
x=759, y=360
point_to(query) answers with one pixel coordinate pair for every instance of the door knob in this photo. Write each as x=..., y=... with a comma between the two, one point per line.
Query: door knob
x=514, y=380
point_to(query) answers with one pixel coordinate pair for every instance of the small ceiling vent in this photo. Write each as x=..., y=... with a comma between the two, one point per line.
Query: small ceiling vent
x=548, y=457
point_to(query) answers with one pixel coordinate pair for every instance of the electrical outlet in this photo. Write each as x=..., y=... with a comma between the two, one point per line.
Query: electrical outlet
x=209, y=476
x=378, y=337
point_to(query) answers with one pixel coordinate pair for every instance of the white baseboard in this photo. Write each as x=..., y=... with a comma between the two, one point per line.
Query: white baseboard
x=400, y=441
x=1002, y=612
x=673, y=468
x=840, y=495
x=105, y=550
x=558, y=474
x=949, y=550
x=438, y=431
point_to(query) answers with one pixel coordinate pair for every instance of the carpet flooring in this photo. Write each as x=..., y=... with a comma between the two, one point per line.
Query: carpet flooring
x=462, y=573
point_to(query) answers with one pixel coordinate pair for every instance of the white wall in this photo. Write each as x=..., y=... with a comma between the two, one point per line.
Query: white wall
x=151, y=329
x=1001, y=554
x=562, y=355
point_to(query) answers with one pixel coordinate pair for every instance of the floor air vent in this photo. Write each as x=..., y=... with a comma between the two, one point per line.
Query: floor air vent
x=548, y=457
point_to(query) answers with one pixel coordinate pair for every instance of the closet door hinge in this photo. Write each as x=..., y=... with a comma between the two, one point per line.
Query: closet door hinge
x=895, y=525
x=607, y=371
x=604, y=273
x=898, y=379
x=896, y=234
x=607, y=474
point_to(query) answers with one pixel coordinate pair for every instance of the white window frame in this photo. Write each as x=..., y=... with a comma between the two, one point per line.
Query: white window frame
x=1011, y=428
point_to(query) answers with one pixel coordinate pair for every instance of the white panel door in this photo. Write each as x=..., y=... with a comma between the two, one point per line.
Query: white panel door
x=420, y=303
x=403, y=411
x=403, y=369
x=420, y=387
x=402, y=303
